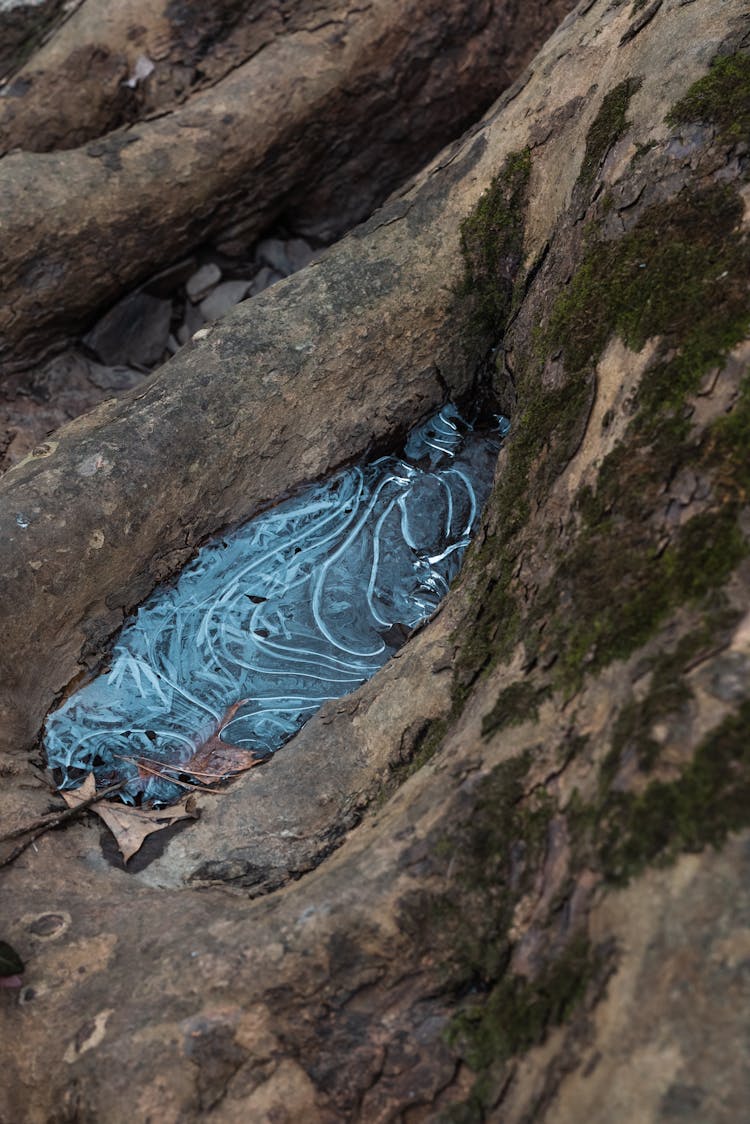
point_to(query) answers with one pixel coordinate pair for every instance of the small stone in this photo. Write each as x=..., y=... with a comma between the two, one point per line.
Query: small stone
x=224, y=297
x=133, y=333
x=232, y=248
x=272, y=252
x=114, y=378
x=299, y=253
x=263, y=279
x=202, y=282
x=164, y=283
x=193, y=321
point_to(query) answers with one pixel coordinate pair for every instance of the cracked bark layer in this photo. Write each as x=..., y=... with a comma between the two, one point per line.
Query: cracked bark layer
x=352, y=992
x=277, y=136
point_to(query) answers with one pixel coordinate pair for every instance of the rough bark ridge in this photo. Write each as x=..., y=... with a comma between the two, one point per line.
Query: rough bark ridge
x=541, y=909
x=280, y=134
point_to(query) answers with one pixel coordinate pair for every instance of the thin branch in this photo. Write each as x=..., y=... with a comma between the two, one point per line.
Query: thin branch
x=35, y=828
x=53, y=819
x=138, y=762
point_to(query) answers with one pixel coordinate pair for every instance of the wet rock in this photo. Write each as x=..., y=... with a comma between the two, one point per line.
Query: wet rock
x=202, y=282
x=133, y=333
x=224, y=297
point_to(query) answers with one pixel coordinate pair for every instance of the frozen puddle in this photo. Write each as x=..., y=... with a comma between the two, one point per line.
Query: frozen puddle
x=301, y=604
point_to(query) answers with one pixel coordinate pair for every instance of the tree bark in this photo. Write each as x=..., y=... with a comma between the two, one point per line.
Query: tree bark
x=534, y=821
x=279, y=135
x=84, y=81
x=23, y=26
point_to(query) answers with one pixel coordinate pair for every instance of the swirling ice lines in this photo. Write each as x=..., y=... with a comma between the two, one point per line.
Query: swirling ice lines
x=300, y=605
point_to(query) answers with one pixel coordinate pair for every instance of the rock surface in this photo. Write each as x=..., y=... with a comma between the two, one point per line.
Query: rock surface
x=315, y=125
x=507, y=878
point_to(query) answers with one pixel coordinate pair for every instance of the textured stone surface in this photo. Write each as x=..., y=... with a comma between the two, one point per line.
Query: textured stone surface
x=546, y=890
x=325, y=116
x=134, y=331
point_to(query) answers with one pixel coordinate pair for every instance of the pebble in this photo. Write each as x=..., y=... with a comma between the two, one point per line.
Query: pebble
x=133, y=333
x=263, y=279
x=193, y=321
x=299, y=253
x=272, y=252
x=114, y=378
x=224, y=297
x=202, y=282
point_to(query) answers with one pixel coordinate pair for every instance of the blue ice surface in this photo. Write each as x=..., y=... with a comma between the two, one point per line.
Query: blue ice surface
x=301, y=604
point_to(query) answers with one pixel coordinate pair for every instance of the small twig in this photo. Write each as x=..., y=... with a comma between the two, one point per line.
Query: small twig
x=52, y=819
x=38, y=827
x=184, y=768
x=137, y=761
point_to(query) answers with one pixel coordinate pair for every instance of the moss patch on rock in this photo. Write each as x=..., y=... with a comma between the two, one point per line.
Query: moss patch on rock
x=679, y=275
x=627, y=831
x=517, y=703
x=608, y=126
x=492, y=246
x=681, y=272
x=721, y=98
x=597, y=586
x=517, y=1015
x=494, y=852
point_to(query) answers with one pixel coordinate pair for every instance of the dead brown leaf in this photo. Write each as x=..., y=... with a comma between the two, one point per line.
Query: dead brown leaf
x=214, y=759
x=130, y=826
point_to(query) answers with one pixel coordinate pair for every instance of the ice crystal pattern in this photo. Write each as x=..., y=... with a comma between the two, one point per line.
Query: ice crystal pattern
x=300, y=605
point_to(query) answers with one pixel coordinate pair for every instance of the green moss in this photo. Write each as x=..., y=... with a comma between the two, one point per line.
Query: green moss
x=603, y=627
x=425, y=747
x=642, y=150
x=729, y=442
x=679, y=275
x=492, y=632
x=680, y=272
x=668, y=697
x=492, y=246
x=517, y=703
x=608, y=126
x=706, y=803
x=721, y=98
x=518, y=1012
x=493, y=855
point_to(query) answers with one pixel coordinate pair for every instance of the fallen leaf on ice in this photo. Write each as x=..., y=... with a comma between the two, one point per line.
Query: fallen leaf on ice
x=130, y=826
x=216, y=759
